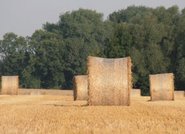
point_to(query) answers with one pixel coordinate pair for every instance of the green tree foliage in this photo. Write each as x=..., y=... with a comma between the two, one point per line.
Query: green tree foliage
x=148, y=36
x=48, y=56
x=179, y=60
x=84, y=33
x=154, y=38
x=13, y=51
x=59, y=51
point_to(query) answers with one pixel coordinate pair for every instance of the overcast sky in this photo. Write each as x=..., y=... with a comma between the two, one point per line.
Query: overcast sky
x=23, y=17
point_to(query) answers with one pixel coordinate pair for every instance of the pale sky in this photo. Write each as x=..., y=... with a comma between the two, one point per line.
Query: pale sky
x=23, y=17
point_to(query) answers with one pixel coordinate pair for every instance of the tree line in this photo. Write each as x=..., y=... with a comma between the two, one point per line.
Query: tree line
x=153, y=37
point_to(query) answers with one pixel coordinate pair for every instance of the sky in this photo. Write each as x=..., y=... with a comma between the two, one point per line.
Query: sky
x=23, y=17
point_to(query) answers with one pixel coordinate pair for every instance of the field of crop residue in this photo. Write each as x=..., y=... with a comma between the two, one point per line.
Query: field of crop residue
x=44, y=114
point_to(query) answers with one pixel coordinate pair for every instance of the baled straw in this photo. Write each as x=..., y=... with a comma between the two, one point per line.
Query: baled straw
x=136, y=92
x=109, y=81
x=179, y=94
x=162, y=86
x=80, y=87
x=10, y=85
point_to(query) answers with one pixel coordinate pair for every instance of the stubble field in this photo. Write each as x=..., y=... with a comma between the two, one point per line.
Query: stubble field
x=46, y=114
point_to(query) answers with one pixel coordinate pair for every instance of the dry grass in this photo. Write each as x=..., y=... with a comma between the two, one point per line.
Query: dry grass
x=26, y=91
x=44, y=115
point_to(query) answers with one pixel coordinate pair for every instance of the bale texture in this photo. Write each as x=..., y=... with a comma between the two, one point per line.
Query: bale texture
x=162, y=86
x=179, y=94
x=80, y=87
x=136, y=92
x=10, y=85
x=109, y=81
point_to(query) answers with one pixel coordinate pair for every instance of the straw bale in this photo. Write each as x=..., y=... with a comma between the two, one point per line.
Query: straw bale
x=109, y=81
x=10, y=85
x=136, y=92
x=162, y=86
x=80, y=87
x=179, y=94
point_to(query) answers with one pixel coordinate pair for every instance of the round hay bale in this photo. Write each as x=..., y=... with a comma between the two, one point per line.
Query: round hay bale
x=136, y=92
x=179, y=94
x=10, y=85
x=109, y=81
x=80, y=87
x=162, y=86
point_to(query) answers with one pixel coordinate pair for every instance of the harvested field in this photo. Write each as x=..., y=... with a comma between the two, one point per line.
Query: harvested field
x=47, y=114
x=23, y=91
